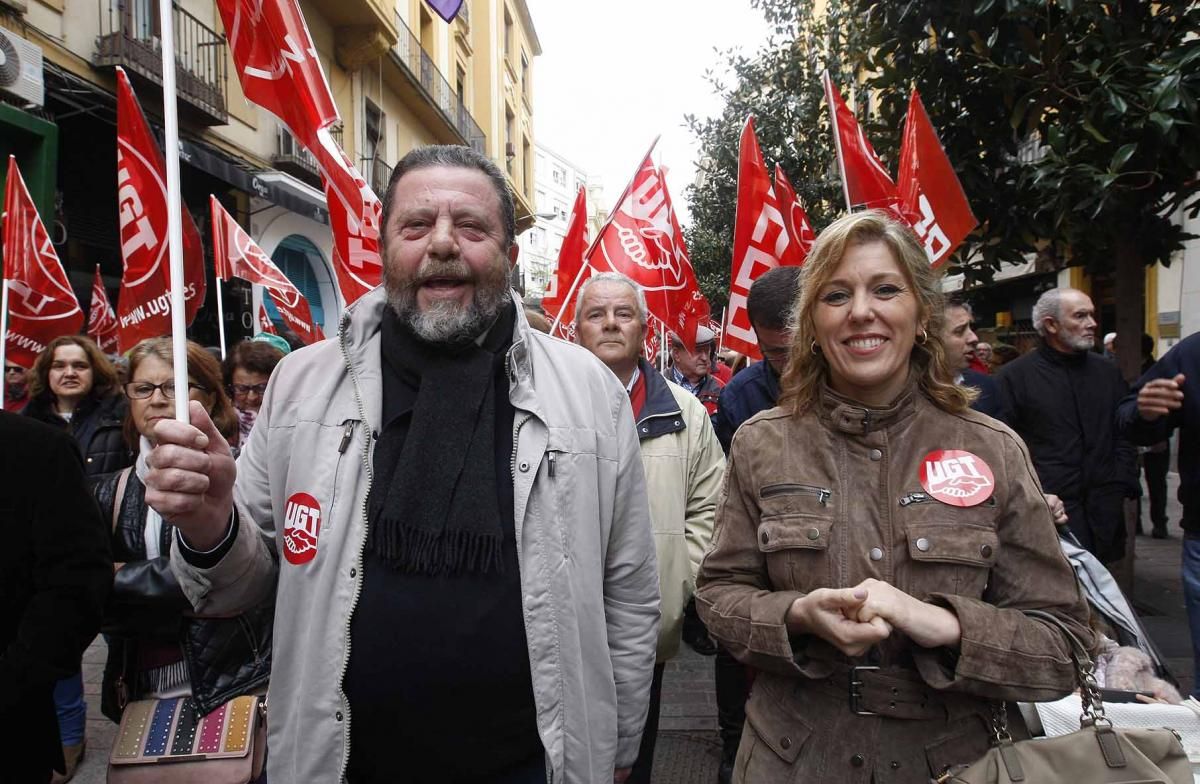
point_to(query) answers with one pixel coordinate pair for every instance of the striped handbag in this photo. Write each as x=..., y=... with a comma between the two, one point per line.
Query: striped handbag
x=168, y=740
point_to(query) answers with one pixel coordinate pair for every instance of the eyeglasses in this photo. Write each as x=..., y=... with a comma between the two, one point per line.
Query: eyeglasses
x=13, y=369
x=775, y=352
x=142, y=390
x=245, y=389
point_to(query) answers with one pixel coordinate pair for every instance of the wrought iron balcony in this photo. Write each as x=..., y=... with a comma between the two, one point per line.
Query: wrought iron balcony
x=291, y=157
x=437, y=90
x=378, y=174
x=129, y=37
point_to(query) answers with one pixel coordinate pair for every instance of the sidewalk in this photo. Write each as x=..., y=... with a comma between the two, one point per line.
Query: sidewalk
x=688, y=750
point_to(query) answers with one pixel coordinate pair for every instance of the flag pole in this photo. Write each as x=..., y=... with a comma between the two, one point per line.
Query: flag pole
x=567, y=299
x=220, y=317
x=3, y=323
x=721, y=342
x=837, y=137
x=174, y=209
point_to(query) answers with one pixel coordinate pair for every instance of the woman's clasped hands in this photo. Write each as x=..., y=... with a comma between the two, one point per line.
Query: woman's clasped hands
x=855, y=619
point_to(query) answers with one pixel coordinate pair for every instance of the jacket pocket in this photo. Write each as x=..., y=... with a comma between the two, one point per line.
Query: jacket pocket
x=779, y=737
x=796, y=550
x=961, y=748
x=951, y=558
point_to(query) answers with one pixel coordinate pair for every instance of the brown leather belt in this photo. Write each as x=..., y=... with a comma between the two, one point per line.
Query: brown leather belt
x=889, y=692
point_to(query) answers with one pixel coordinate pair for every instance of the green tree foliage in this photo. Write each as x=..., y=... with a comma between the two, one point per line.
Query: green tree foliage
x=1073, y=124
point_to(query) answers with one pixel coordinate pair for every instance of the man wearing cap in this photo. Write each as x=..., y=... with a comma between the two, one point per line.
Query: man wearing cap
x=680, y=453
x=692, y=370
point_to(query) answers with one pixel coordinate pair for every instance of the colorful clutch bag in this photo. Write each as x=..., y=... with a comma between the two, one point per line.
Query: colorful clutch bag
x=226, y=746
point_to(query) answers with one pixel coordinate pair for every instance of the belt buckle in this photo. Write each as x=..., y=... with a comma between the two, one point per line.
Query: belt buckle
x=856, y=685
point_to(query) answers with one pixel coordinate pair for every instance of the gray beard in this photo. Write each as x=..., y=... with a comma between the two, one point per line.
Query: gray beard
x=1079, y=343
x=448, y=323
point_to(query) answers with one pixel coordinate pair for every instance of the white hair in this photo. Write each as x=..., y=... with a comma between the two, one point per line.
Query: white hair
x=639, y=295
x=1049, y=305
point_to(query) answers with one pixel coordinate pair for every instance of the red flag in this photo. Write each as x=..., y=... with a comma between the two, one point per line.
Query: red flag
x=264, y=321
x=762, y=238
x=559, y=300
x=144, y=303
x=642, y=240
x=930, y=194
x=865, y=181
x=234, y=253
x=799, y=227
x=278, y=69
x=102, y=322
x=41, y=304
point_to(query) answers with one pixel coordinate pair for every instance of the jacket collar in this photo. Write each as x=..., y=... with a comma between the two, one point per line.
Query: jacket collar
x=661, y=413
x=359, y=333
x=850, y=416
x=1074, y=359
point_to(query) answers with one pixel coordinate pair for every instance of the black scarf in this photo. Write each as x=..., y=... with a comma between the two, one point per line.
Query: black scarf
x=432, y=507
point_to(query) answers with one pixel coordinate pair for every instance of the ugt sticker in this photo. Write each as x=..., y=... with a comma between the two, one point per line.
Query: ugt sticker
x=957, y=478
x=301, y=527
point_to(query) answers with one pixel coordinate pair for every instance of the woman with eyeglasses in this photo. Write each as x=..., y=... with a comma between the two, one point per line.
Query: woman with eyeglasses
x=156, y=648
x=73, y=387
x=247, y=369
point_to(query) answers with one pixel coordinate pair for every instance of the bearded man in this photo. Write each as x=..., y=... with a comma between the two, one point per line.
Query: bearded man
x=1062, y=399
x=468, y=589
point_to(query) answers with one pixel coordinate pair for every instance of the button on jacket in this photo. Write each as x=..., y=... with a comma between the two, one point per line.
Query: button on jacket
x=833, y=497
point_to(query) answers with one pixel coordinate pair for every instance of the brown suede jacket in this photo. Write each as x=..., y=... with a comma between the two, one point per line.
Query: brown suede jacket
x=833, y=497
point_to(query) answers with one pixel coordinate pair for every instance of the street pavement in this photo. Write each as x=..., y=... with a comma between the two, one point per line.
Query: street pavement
x=688, y=749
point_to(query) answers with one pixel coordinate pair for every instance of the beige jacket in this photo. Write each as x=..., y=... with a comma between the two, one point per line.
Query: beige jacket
x=834, y=497
x=684, y=464
x=583, y=541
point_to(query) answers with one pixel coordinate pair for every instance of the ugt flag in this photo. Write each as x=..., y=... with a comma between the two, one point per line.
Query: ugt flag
x=234, y=253
x=278, y=68
x=931, y=196
x=642, y=240
x=144, y=303
x=559, y=302
x=762, y=240
x=102, y=322
x=41, y=304
x=865, y=181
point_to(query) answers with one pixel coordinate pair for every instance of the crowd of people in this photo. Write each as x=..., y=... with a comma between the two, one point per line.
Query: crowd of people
x=449, y=547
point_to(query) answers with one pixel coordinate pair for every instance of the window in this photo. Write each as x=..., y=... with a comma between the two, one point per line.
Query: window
x=561, y=209
x=540, y=204
x=527, y=163
x=460, y=82
x=525, y=77
x=508, y=34
x=559, y=176
x=373, y=131
x=510, y=149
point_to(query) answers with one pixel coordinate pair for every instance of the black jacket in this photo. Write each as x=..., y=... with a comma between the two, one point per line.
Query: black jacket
x=225, y=657
x=1064, y=407
x=1184, y=358
x=55, y=573
x=988, y=401
x=96, y=426
x=754, y=389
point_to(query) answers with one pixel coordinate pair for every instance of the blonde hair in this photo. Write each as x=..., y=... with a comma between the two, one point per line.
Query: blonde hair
x=807, y=370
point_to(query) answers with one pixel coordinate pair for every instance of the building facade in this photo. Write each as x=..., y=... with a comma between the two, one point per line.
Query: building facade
x=400, y=77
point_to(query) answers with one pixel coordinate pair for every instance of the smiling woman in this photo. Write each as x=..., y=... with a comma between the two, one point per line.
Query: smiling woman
x=879, y=540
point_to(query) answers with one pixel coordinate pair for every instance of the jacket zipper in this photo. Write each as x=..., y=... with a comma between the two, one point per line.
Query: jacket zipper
x=550, y=460
x=358, y=565
x=915, y=498
x=822, y=493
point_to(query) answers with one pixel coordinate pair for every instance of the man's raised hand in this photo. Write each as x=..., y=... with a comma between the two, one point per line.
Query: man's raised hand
x=191, y=478
x=1160, y=397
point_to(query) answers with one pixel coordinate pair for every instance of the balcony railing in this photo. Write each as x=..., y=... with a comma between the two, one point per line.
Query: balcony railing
x=378, y=174
x=420, y=66
x=129, y=37
x=291, y=157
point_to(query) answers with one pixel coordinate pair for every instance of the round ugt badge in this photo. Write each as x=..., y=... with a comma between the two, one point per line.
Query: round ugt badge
x=957, y=478
x=301, y=526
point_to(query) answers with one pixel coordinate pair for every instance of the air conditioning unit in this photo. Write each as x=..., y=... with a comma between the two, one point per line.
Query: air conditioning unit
x=21, y=69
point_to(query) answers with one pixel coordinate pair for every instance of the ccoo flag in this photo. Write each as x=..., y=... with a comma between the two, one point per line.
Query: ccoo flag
x=144, y=303
x=41, y=304
x=235, y=254
x=930, y=194
x=102, y=322
x=865, y=181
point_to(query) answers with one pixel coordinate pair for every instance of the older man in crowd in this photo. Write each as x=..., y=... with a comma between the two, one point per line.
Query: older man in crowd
x=680, y=453
x=692, y=368
x=453, y=506
x=1061, y=399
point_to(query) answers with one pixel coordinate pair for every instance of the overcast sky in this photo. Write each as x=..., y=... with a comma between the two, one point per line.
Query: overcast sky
x=614, y=74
